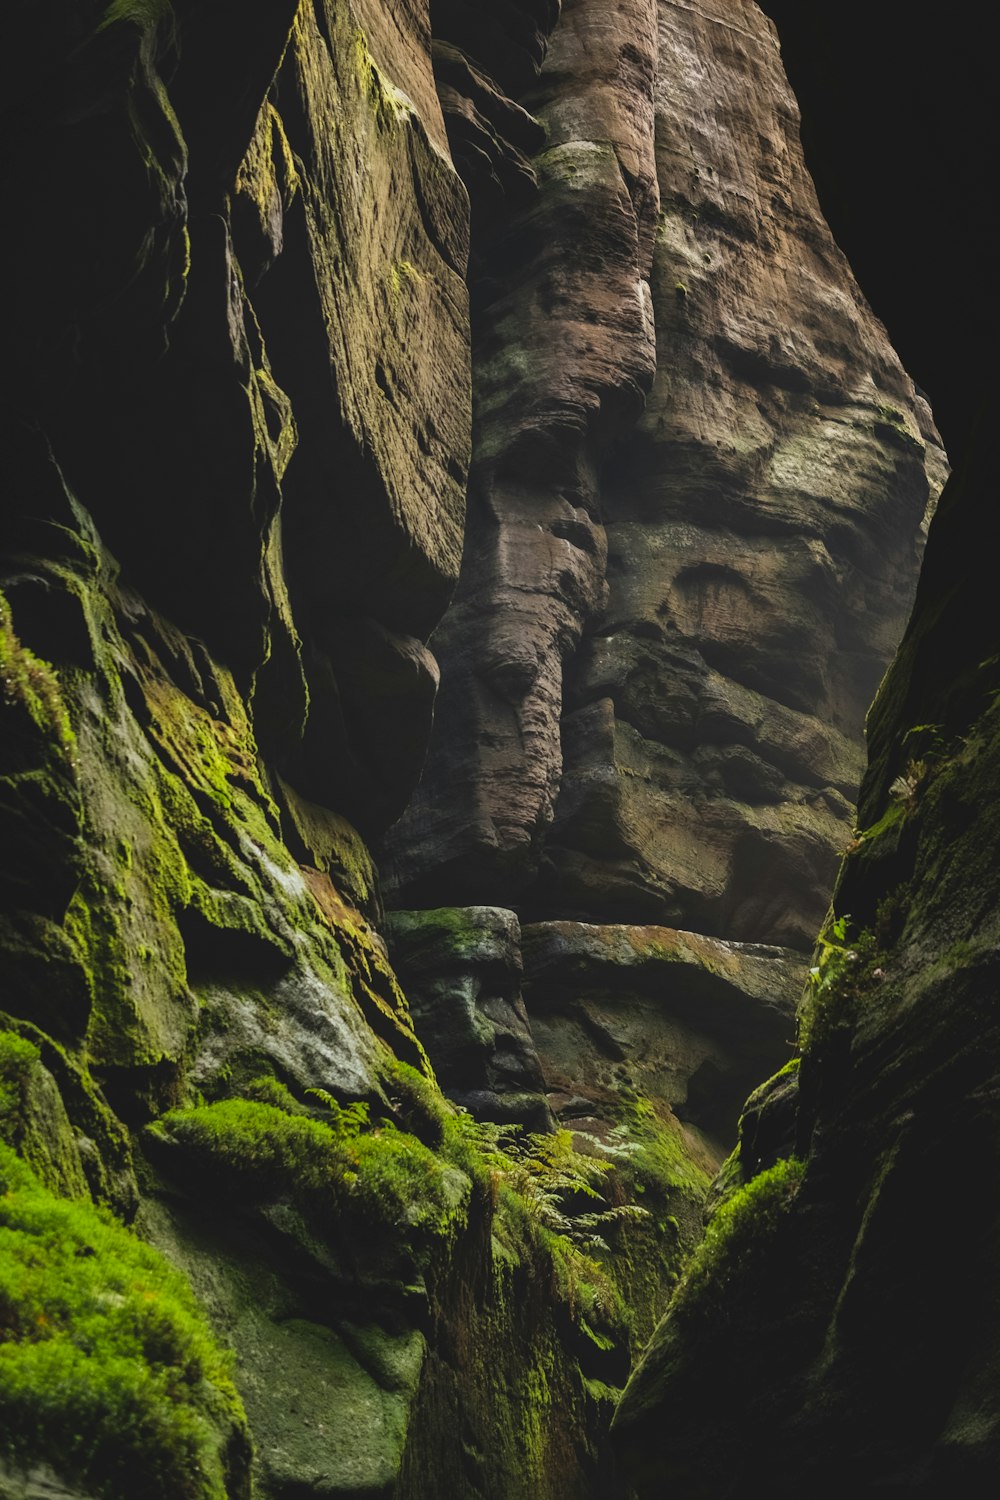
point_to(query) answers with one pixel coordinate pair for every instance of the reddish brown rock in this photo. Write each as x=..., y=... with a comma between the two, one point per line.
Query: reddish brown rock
x=764, y=526
x=762, y=520
x=686, y=1021
x=563, y=353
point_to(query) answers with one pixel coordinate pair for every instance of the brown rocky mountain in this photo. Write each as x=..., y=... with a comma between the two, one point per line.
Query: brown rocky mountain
x=458, y=506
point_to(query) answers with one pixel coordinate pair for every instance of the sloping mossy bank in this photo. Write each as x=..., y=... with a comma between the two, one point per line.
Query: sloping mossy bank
x=414, y=1302
x=108, y=1369
x=448, y=1278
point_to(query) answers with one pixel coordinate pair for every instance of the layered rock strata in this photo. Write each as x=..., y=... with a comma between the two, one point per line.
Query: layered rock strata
x=687, y=1021
x=563, y=353
x=812, y=1324
x=706, y=606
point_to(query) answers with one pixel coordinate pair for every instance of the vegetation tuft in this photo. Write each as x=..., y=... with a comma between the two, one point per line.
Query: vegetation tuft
x=108, y=1370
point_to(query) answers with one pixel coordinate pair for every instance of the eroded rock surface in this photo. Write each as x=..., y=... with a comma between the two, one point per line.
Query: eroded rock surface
x=461, y=968
x=563, y=353
x=807, y=1327
x=689, y=1021
x=709, y=617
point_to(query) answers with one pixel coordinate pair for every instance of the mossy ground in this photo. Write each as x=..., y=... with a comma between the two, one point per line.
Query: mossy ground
x=108, y=1369
x=531, y=1269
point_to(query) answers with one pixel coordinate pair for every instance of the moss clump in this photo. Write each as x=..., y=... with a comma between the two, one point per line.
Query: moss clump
x=17, y=1058
x=33, y=1119
x=344, y=1171
x=656, y=1157
x=31, y=684
x=837, y=980
x=737, y=1237
x=108, y=1370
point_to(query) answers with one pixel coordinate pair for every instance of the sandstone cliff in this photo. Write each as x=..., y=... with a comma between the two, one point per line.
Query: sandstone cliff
x=838, y=1334
x=354, y=348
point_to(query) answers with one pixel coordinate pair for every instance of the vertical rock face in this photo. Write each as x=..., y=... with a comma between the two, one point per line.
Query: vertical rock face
x=704, y=599
x=866, y=1371
x=763, y=523
x=563, y=354
x=267, y=322
x=839, y=1333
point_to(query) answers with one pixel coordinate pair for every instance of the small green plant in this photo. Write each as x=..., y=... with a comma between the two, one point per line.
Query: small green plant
x=832, y=952
x=556, y=1182
x=555, y=1185
x=834, y=980
x=906, y=787
x=348, y=1120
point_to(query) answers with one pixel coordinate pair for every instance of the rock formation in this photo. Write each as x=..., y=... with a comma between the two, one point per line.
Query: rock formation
x=838, y=1333
x=667, y=631
x=477, y=385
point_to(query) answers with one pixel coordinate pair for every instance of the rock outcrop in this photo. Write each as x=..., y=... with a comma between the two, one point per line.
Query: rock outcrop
x=667, y=632
x=838, y=1332
x=808, y=1325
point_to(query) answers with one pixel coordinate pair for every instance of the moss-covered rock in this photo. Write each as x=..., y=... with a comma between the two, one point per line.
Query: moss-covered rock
x=108, y=1370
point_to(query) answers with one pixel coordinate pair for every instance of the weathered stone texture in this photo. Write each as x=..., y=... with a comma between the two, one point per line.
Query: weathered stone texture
x=263, y=263
x=688, y=1021
x=461, y=969
x=563, y=353
x=840, y=1335
x=764, y=525
x=857, y=1302
x=717, y=613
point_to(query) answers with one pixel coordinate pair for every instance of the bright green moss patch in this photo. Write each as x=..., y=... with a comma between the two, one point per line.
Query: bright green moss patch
x=108, y=1370
x=29, y=682
x=33, y=1119
x=17, y=1057
x=346, y=1169
x=657, y=1157
x=737, y=1237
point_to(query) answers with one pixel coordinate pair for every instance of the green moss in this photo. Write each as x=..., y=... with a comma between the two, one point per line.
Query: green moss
x=17, y=1059
x=268, y=1090
x=654, y=1165
x=657, y=1155
x=388, y=104
x=31, y=683
x=402, y=273
x=33, y=1119
x=139, y=12
x=345, y=1170
x=838, y=978
x=108, y=1370
x=737, y=1238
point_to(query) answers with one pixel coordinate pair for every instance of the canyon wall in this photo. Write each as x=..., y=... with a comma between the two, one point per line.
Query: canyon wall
x=837, y=1334
x=448, y=467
